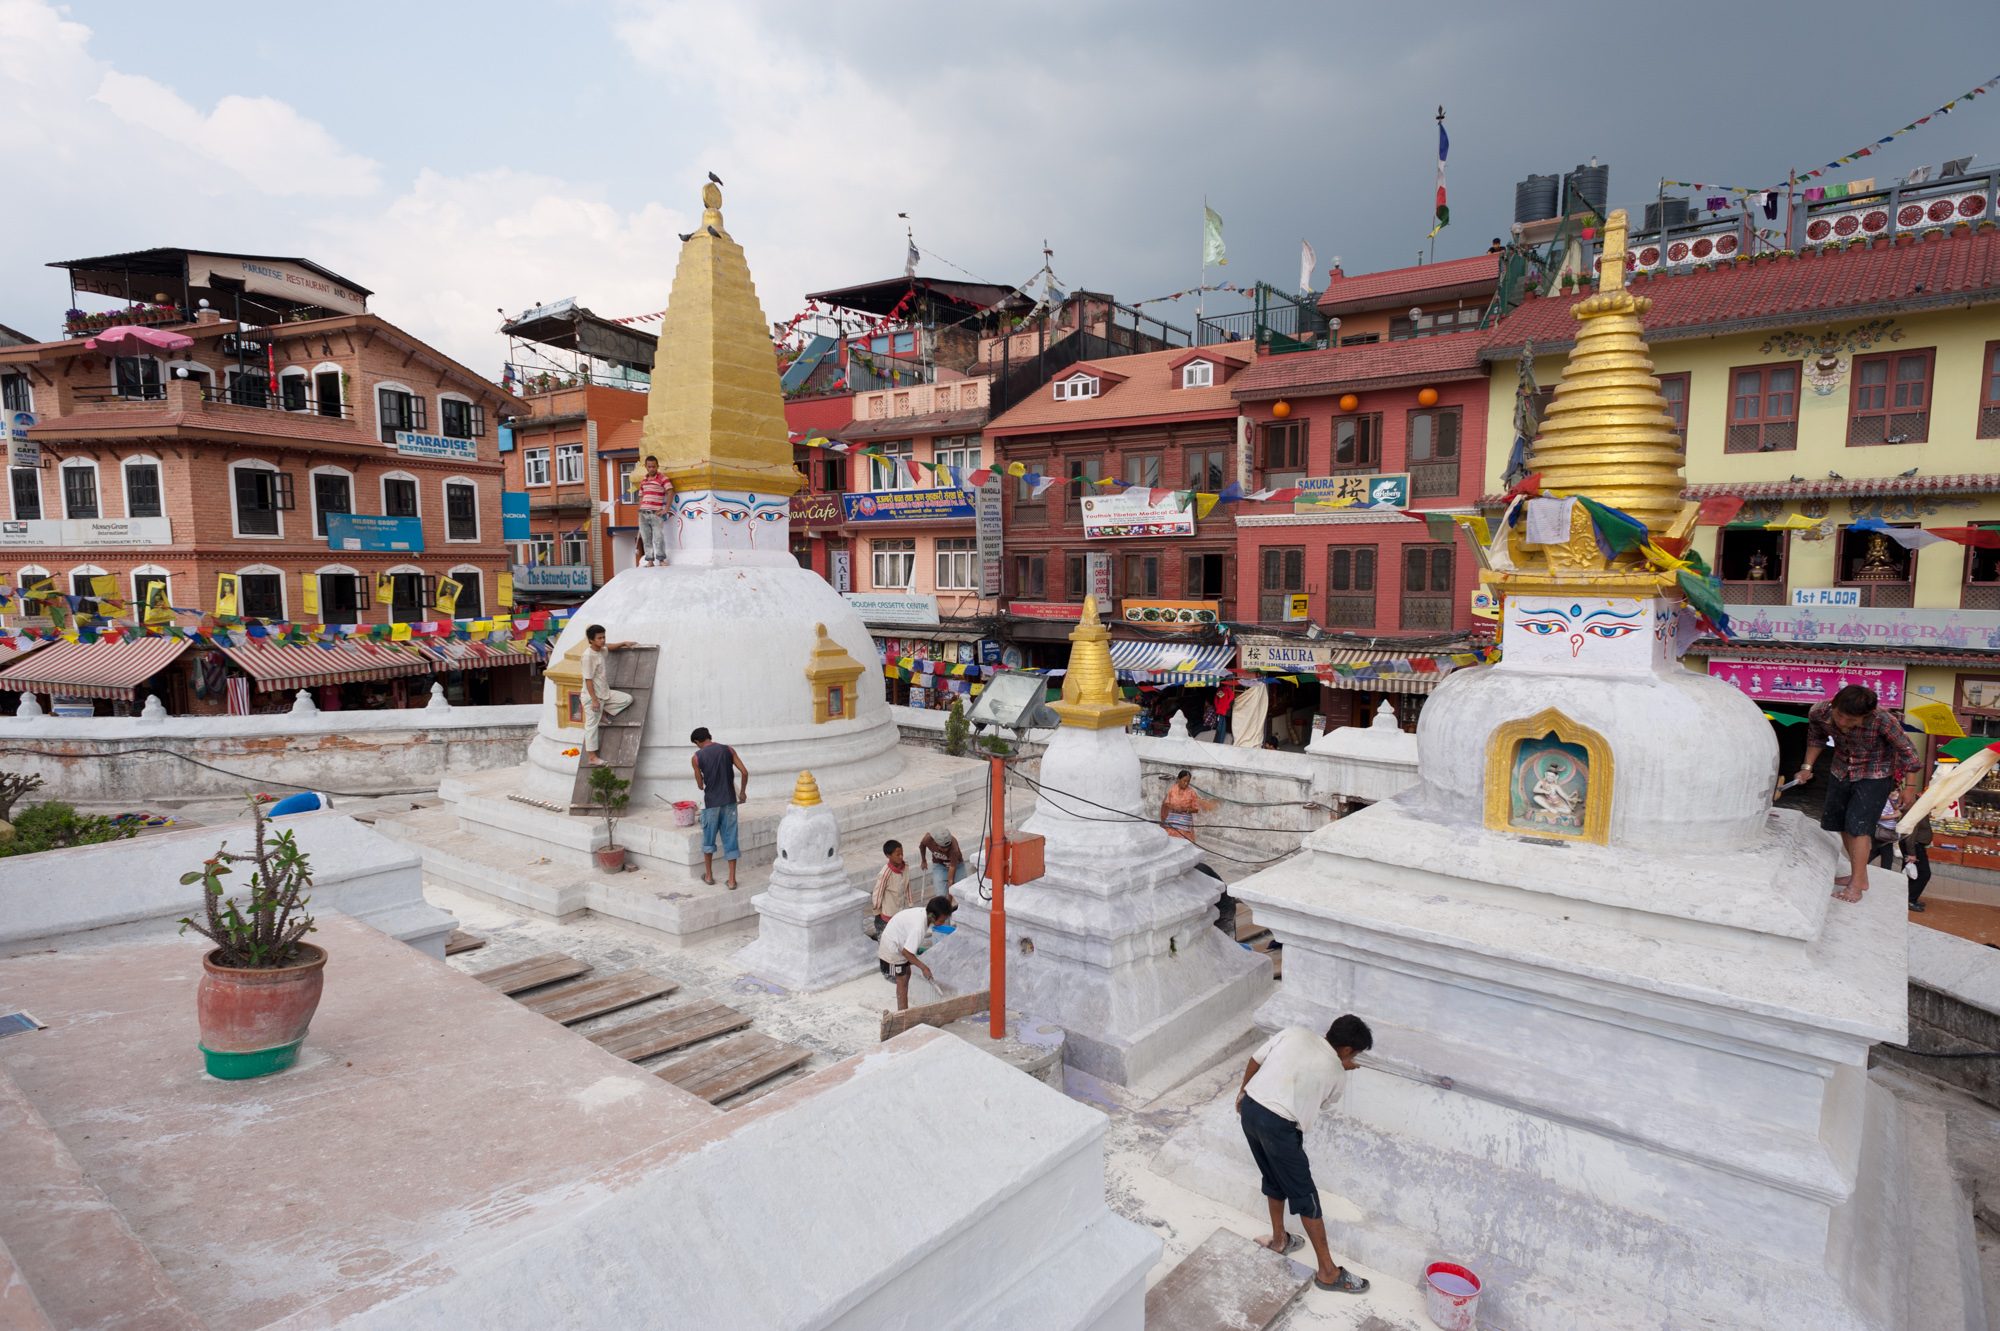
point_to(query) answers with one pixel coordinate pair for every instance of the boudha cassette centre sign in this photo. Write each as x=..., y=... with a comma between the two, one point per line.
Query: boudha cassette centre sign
x=907, y=505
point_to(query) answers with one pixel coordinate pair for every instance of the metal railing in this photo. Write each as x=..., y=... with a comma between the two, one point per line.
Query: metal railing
x=236, y=395
x=95, y=393
x=1758, y=592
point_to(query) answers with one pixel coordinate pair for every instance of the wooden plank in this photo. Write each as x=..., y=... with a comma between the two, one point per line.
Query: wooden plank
x=662, y=1032
x=584, y=999
x=518, y=976
x=733, y=1066
x=461, y=941
x=1228, y=1281
x=935, y=1014
x=630, y=671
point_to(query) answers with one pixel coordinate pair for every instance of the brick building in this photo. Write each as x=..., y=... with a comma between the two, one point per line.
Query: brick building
x=339, y=468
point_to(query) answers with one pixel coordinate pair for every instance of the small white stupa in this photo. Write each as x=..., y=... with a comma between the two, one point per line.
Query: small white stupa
x=809, y=934
x=1116, y=942
x=1621, y=1032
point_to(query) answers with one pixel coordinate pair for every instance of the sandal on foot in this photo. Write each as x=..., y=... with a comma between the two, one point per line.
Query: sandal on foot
x=1292, y=1244
x=1345, y=1283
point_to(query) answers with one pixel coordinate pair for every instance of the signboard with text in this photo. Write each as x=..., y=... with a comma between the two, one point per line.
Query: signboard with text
x=816, y=510
x=895, y=608
x=1357, y=490
x=1835, y=626
x=22, y=451
x=514, y=516
x=370, y=531
x=1787, y=681
x=1046, y=609
x=546, y=579
x=1128, y=513
x=1097, y=580
x=88, y=531
x=986, y=526
x=907, y=505
x=273, y=277
x=412, y=444
x=841, y=564
x=1849, y=597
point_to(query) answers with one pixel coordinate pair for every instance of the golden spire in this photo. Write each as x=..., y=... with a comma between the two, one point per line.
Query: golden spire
x=1090, y=698
x=716, y=415
x=806, y=793
x=1606, y=436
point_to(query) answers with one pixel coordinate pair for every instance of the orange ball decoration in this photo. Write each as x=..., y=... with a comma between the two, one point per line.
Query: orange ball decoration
x=1281, y=408
x=1348, y=402
x=1427, y=397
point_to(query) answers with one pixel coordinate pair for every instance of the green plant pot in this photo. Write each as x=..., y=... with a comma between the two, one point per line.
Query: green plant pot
x=257, y=1063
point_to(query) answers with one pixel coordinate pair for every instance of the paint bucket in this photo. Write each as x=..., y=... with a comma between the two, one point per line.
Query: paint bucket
x=1451, y=1296
x=685, y=813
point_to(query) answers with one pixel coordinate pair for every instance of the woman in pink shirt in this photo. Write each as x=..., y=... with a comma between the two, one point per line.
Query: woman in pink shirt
x=656, y=495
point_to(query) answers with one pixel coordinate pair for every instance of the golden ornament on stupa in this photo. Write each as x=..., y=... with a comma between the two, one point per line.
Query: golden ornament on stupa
x=1607, y=436
x=715, y=416
x=1090, y=699
x=805, y=793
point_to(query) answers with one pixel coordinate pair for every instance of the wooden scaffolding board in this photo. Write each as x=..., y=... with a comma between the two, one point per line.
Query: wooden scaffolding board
x=520, y=976
x=461, y=941
x=663, y=1032
x=584, y=999
x=1227, y=1281
x=630, y=671
x=730, y=1067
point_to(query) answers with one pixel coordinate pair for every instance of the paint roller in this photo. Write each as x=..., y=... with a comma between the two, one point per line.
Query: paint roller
x=1948, y=786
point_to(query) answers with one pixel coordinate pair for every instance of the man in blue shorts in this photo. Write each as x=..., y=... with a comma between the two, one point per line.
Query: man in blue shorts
x=1871, y=754
x=721, y=791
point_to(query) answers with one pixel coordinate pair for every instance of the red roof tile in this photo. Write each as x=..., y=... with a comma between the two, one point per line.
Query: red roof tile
x=1373, y=365
x=1131, y=387
x=1957, y=269
x=904, y=427
x=1453, y=277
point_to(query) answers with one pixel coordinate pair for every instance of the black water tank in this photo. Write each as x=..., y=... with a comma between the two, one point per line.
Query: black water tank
x=1535, y=198
x=1677, y=214
x=1587, y=190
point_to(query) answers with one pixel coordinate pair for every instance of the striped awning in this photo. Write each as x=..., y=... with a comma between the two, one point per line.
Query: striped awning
x=1385, y=681
x=93, y=669
x=1162, y=662
x=276, y=665
x=21, y=647
x=466, y=654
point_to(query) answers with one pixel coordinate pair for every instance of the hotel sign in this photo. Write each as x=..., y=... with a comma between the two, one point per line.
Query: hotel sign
x=88, y=531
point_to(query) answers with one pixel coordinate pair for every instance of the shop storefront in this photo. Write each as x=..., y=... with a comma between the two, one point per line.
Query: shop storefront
x=1316, y=686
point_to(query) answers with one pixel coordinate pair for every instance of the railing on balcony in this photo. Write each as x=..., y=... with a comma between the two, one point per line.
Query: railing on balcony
x=96, y=393
x=1761, y=591
x=1434, y=480
x=1350, y=610
x=1427, y=612
x=80, y=323
x=1979, y=596
x=1274, y=607
x=238, y=395
x=1277, y=321
x=1887, y=595
x=533, y=380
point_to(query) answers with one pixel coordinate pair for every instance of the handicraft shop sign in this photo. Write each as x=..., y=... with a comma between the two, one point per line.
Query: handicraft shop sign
x=1133, y=513
x=1976, y=630
x=1786, y=681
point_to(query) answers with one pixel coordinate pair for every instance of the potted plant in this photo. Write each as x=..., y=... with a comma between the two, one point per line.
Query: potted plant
x=957, y=730
x=611, y=793
x=260, y=984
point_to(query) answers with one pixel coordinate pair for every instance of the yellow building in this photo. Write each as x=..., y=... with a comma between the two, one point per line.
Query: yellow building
x=1858, y=387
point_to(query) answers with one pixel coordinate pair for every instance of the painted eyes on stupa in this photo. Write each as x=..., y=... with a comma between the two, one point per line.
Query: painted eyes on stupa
x=694, y=511
x=772, y=515
x=1610, y=630
x=1545, y=627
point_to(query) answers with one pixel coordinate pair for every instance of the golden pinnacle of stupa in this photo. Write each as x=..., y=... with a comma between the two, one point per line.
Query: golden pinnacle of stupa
x=805, y=793
x=1092, y=702
x=715, y=417
x=1606, y=436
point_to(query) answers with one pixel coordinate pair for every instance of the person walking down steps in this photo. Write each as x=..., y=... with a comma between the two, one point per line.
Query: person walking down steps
x=599, y=698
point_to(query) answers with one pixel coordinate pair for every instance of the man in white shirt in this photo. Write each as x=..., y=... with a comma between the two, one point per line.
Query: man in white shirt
x=599, y=698
x=1288, y=1081
x=904, y=936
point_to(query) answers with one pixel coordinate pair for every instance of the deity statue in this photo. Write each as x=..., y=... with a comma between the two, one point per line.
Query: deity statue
x=1878, y=562
x=1760, y=567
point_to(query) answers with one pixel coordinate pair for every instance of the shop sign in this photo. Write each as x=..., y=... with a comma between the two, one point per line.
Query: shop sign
x=88, y=531
x=1097, y=577
x=1788, y=681
x=1045, y=609
x=841, y=563
x=544, y=579
x=1265, y=654
x=1484, y=604
x=411, y=444
x=1365, y=490
x=1134, y=512
x=21, y=451
x=514, y=524
x=1298, y=606
x=816, y=510
x=895, y=608
x=907, y=505
x=1177, y=615
x=369, y=531
x=986, y=525
x=1834, y=626
x=1839, y=596
x=989, y=652
x=274, y=278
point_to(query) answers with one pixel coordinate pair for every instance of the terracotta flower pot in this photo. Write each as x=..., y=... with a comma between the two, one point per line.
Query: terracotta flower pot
x=611, y=859
x=253, y=1021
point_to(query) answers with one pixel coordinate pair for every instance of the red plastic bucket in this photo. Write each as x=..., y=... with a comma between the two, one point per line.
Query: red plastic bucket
x=686, y=814
x=1451, y=1296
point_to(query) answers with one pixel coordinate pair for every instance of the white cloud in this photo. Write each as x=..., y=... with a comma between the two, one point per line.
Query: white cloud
x=261, y=142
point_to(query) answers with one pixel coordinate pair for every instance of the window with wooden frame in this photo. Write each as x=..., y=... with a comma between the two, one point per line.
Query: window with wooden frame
x=1027, y=577
x=396, y=410
x=1751, y=563
x=333, y=492
x=1981, y=589
x=1889, y=397
x=260, y=595
x=1281, y=453
x=1206, y=577
x=1197, y=374
x=1350, y=586
x=1281, y=574
x=409, y=594
x=1881, y=567
x=399, y=494
x=1024, y=489
x=1083, y=475
x=957, y=564
x=1357, y=442
x=261, y=495
x=343, y=597
x=461, y=420
x=1763, y=409
x=1143, y=469
x=79, y=487
x=1674, y=388
x=1142, y=575
x=142, y=490
x=1076, y=577
x=534, y=466
x=1978, y=705
x=1427, y=596
x=1989, y=393
x=1432, y=452
x=292, y=386
x=1207, y=469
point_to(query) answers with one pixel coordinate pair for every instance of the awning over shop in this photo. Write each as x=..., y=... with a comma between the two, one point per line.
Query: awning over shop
x=457, y=654
x=277, y=665
x=93, y=669
x=1145, y=662
x=21, y=647
x=1382, y=681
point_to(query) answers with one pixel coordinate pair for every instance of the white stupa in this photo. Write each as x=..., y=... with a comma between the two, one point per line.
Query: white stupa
x=1621, y=1031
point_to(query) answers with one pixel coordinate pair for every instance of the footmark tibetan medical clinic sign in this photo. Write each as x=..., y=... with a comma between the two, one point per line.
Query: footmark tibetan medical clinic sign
x=1135, y=512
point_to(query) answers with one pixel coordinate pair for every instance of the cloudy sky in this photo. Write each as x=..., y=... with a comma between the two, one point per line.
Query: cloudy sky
x=458, y=164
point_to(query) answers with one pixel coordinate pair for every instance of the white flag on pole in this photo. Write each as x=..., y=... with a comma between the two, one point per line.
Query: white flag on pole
x=1212, y=250
x=1308, y=261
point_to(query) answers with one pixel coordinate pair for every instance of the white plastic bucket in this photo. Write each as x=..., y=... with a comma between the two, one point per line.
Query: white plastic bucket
x=1451, y=1296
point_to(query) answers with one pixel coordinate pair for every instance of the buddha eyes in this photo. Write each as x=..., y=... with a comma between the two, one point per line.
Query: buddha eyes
x=1610, y=630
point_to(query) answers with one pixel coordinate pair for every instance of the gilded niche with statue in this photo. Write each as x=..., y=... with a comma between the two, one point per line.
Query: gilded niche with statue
x=832, y=673
x=1548, y=776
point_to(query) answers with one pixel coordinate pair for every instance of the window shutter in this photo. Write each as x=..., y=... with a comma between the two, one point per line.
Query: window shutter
x=417, y=418
x=478, y=415
x=281, y=492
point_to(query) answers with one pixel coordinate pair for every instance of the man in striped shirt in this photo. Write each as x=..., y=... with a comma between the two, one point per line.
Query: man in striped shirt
x=656, y=495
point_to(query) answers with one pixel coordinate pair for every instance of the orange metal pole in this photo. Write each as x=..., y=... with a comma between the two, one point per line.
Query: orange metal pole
x=996, y=868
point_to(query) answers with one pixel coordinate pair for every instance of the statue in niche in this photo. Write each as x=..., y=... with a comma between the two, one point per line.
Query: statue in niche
x=1878, y=562
x=1550, y=786
x=1760, y=567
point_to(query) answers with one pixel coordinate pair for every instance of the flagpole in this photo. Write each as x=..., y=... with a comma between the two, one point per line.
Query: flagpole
x=1434, y=230
x=1200, y=287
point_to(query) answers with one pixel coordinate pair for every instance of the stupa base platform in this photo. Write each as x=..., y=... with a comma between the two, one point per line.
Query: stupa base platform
x=483, y=841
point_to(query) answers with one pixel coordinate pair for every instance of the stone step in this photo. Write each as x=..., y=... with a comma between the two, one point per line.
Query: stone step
x=581, y=1000
x=1228, y=1281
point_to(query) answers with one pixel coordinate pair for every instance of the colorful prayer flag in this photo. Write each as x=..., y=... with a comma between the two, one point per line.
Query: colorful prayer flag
x=1212, y=249
x=1444, y=150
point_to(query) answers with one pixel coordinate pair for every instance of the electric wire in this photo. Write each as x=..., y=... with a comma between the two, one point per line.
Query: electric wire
x=1121, y=816
x=240, y=776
